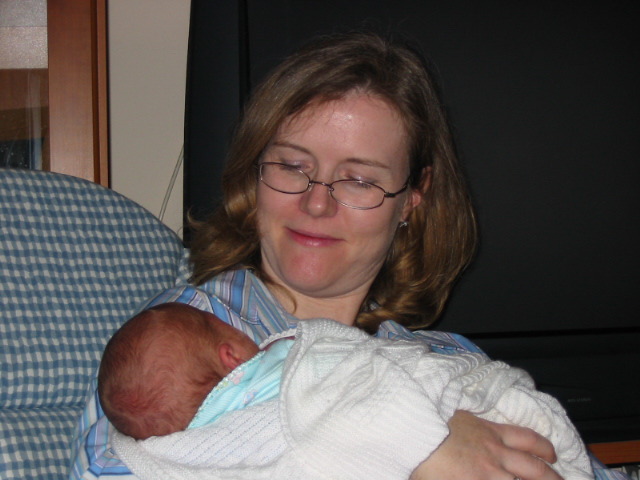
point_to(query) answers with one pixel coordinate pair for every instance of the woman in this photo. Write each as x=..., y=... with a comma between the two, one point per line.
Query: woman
x=343, y=199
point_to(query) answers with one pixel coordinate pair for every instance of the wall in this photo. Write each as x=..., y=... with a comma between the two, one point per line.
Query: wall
x=23, y=34
x=147, y=71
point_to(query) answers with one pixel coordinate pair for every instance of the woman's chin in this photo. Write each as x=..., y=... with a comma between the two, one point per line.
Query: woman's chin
x=312, y=281
x=319, y=274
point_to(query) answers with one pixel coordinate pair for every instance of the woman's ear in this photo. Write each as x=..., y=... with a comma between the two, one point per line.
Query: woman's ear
x=416, y=195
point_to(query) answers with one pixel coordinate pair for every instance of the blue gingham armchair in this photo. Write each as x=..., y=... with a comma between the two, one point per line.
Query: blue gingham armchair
x=76, y=260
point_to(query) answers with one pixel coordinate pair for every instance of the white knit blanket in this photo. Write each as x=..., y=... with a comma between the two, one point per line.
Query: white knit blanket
x=355, y=407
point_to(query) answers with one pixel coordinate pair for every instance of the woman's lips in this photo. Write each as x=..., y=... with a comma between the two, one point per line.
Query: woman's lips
x=310, y=239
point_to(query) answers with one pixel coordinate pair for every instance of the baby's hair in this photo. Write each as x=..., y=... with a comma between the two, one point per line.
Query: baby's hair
x=156, y=370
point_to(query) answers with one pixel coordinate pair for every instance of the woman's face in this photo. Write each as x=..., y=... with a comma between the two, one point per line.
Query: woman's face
x=310, y=244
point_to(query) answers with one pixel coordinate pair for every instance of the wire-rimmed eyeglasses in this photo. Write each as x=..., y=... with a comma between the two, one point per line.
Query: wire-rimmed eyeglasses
x=356, y=194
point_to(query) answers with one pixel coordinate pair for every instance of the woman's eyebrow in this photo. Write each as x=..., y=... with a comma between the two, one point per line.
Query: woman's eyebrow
x=290, y=145
x=367, y=162
x=355, y=160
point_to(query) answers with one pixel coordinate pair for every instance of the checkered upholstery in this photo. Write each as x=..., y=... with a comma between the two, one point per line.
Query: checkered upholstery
x=76, y=260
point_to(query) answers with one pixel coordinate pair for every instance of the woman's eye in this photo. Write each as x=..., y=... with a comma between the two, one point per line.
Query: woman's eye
x=363, y=180
x=366, y=175
x=297, y=164
x=362, y=185
x=284, y=167
x=355, y=186
x=286, y=161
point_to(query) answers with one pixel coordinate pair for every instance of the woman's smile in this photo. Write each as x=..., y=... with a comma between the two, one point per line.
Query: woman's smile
x=309, y=239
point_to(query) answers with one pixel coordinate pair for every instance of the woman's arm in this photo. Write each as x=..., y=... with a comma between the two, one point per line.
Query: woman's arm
x=477, y=449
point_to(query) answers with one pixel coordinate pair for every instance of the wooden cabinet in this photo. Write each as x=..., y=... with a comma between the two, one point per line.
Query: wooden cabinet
x=616, y=453
x=53, y=88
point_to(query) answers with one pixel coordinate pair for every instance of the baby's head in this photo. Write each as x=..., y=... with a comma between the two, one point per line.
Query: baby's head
x=161, y=364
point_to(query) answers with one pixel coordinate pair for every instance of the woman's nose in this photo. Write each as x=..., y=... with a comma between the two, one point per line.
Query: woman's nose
x=317, y=201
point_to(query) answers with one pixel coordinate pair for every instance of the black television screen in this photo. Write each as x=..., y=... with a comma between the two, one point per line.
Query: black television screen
x=544, y=104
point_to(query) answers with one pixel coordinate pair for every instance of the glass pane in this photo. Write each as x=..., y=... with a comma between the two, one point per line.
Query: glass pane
x=23, y=83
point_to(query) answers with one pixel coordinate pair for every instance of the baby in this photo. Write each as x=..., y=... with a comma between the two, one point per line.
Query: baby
x=336, y=390
x=160, y=365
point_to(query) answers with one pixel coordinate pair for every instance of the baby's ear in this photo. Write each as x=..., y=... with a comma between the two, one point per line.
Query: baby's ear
x=229, y=357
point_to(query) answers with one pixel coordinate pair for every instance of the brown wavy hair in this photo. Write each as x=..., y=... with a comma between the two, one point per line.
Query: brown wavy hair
x=426, y=257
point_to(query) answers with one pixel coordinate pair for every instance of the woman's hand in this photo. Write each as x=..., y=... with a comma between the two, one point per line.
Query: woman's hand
x=477, y=449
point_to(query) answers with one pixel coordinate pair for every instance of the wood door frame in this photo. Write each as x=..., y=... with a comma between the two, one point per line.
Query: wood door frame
x=78, y=93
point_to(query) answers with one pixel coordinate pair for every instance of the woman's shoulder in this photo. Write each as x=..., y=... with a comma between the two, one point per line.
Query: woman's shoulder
x=439, y=342
x=224, y=290
x=237, y=297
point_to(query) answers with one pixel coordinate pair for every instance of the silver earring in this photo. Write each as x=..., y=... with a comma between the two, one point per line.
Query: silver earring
x=403, y=224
